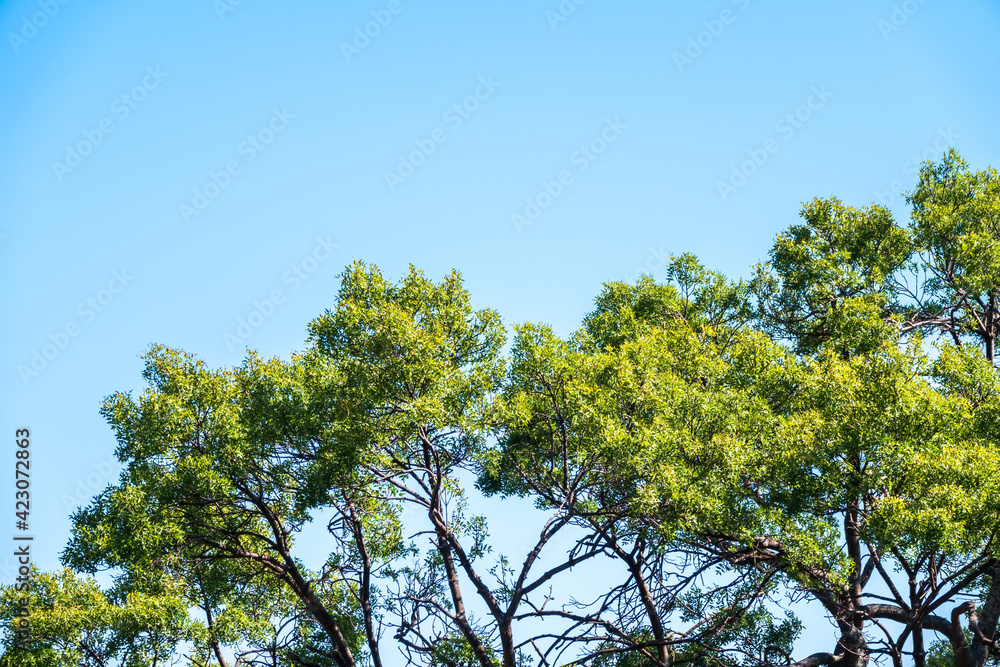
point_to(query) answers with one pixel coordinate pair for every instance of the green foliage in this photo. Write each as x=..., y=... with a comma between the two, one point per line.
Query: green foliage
x=411, y=354
x=956, y=215
x=452, y=651
x=830, y=280
x=73, y=622
x=223, y=468
x=705, y=301
x=721, y=443
x=956, y=229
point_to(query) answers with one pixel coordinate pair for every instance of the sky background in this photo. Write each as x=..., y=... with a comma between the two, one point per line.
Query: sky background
x=117, y=117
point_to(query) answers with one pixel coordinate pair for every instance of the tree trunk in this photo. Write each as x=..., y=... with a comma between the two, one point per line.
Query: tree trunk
x=919, y=659
x=987, y=623
x=853, y=647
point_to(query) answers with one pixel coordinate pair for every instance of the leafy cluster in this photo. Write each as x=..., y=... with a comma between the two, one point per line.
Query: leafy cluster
x=825, y=433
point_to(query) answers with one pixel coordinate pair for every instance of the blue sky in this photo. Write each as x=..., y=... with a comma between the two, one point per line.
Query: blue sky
x=170, y=169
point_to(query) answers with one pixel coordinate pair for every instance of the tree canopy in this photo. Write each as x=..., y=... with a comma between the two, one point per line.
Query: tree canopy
x=697, y=460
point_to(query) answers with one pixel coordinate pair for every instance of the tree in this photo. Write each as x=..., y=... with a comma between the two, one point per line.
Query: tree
x=72, y=622
x=956, y=229
x=213, y=493
x=590, y=427
x=826, y=432
x=855, y=276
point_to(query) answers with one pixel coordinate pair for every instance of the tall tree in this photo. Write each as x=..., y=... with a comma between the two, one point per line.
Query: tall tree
x=850, y=278
x=826, y=432
x=611, y=427
x=956, y=230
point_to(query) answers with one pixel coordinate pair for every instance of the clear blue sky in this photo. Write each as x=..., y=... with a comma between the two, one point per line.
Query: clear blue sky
x=119, y=117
